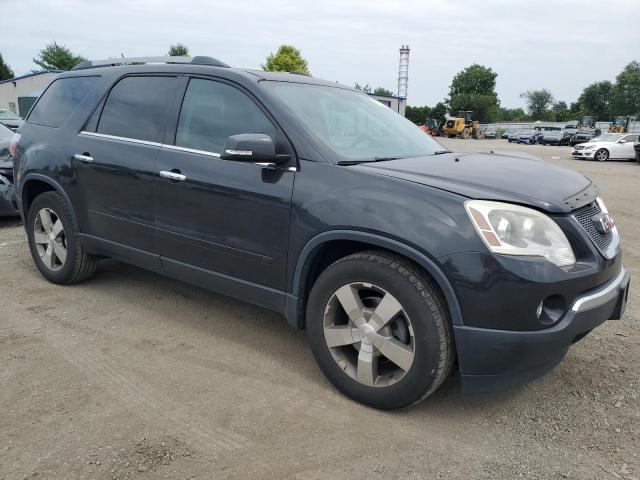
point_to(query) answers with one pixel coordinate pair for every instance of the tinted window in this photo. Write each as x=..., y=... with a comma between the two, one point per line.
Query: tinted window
x=213, y=111
x=137, y=108
x=59, y=100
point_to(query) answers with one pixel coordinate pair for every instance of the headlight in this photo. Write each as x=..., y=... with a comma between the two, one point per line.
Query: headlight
x=590, y=147
x=514, y=230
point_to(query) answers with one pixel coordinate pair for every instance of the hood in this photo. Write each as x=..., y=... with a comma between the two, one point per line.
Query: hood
x=489, y=176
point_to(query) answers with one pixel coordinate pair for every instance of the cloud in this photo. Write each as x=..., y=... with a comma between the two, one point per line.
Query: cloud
x=562, y=46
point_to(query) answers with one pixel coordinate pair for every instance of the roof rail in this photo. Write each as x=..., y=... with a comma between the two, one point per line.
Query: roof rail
x=111, y=62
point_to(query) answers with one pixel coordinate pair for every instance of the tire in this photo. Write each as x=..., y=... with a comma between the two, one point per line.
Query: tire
x=601, y=155
x=47, y=251
x=465, y=133
x=421, y=324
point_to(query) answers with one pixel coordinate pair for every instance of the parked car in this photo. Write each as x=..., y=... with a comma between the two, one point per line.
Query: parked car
x=505, y=134
x=490, y=133
x=10, y=119
x=8, y=206
x=607, y=146
x=583, y=136
x=556, y=138
x=381, y=243
x=636, y=147
x=529, y=136
x=513, y=136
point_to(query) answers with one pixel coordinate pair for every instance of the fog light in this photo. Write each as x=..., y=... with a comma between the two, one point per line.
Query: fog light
x=551, y=309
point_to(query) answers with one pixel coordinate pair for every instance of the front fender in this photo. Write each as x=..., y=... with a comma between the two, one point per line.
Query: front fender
x=380, y=241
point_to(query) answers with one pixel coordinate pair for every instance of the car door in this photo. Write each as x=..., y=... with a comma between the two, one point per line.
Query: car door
x=223, y=224
x=625, y=149
x=115, y=163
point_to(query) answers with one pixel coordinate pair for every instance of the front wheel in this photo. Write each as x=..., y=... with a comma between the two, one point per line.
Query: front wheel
x=379, y=330
x=602, y=155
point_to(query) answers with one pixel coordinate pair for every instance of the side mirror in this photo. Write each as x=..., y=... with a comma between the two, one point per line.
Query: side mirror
x=622, y=140
x=250, y=148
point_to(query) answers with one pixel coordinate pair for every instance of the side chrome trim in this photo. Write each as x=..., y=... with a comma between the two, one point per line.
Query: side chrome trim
x=190, y=150
x=122, y=139
x=607, y=293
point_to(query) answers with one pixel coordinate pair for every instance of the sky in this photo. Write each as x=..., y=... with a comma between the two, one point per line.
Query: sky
x=559, y=45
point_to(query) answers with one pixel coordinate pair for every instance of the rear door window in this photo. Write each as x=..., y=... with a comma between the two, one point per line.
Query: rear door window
x=137, y=108
x=59, y=100
x=213, y=111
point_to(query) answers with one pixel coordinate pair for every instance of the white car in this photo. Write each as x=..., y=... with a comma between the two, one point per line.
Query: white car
x=607, y=146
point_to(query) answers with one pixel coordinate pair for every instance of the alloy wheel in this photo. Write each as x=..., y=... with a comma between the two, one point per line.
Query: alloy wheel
x=50, y=239
x=602, y=155
x=369, y=334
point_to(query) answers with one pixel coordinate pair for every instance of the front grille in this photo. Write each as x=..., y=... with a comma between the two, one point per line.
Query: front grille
x=583, y=216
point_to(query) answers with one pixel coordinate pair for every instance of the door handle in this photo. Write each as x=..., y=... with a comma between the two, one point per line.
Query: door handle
x=83, y=157
x=172, y=175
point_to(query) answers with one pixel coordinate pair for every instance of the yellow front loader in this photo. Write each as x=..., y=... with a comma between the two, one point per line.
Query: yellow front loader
x=463, y=126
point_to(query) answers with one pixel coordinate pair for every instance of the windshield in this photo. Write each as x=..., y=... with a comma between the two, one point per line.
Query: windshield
x=353, y=125
x=8, y=115
x=607, y=137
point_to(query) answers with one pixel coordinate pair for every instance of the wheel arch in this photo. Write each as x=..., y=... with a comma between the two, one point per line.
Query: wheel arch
x=35, y=184
x=327, y=247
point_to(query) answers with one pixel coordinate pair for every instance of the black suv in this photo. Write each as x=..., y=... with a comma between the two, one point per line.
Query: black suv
x=314, y=200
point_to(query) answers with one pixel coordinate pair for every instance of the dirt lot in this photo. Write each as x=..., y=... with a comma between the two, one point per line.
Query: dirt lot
x=132, y=375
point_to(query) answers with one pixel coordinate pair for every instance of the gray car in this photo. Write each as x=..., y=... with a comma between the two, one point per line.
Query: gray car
x=7, y=205
x=10, y=119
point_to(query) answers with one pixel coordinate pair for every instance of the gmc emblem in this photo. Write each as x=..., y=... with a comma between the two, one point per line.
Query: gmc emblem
x=604, y=222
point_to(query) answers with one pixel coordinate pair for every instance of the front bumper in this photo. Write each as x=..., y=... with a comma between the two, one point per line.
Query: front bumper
x=491, y=360
x=583, y=153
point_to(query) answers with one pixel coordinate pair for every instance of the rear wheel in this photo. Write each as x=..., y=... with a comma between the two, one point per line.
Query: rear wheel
x=54, y=243
x=602, y=155
x=379, y=330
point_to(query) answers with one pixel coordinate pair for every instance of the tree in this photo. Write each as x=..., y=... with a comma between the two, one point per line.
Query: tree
x=560, y=111
x=363, y=88
x=178, y=50
x=417, y=115
x=57, y=57
x=575, y=111
x=596, y=99
x=626, y=91
x=474, y=89
x=538, y=103
x=286, y=59
x=5, y=71
x=512, y=114
x=439, y=111
x=383, y=91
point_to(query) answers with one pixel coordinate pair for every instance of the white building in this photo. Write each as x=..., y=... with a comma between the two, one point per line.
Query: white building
x=397, y=104
x=19, y=93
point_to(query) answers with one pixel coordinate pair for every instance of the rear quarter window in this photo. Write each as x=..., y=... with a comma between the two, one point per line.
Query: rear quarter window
x=60, y=100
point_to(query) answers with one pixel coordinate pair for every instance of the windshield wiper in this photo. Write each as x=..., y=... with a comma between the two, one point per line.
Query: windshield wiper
x=441, y=152
x=371, y=160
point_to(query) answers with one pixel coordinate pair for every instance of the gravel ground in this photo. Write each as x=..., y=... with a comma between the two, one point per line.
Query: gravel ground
x=132, y=375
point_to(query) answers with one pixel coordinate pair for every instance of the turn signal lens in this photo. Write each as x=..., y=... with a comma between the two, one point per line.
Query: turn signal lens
x=13, y=144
